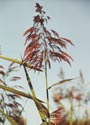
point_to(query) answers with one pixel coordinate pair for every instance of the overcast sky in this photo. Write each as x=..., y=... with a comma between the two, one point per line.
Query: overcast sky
x=71, y=19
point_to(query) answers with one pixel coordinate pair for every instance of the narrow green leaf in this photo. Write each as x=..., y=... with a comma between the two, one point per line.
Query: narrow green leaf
x=61, y=82
x=11, y=120
x=43, y=111
x=9, y=89
x=29, y=82
x=19, y=62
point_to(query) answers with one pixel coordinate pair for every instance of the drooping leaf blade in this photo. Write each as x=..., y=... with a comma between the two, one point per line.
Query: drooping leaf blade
x=9, y=89
x=40, y=106
x=61, y=82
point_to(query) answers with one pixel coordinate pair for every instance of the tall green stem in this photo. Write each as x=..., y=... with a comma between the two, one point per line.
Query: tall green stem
x=47, y=93
x=46, y=75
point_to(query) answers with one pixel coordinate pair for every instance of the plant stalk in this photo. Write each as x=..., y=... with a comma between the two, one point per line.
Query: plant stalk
x=18, y=62
x=47, y=93
x=42, y=116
